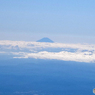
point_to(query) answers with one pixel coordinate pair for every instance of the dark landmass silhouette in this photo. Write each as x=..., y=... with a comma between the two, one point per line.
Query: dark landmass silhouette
x=45, y=39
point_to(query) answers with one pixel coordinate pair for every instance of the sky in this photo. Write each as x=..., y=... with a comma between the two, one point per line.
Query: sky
x=66, y=21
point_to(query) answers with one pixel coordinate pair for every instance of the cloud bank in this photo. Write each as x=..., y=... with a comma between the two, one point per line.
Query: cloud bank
x=63, y=55
x=42, y=50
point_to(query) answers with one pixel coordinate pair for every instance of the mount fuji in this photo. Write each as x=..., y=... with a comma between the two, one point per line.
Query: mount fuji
x=45, y=39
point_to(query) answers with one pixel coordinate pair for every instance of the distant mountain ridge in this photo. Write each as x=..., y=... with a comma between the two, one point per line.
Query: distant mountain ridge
x=45, y=39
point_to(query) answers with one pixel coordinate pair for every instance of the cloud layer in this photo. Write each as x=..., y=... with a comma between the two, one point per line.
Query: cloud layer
x=59, y=51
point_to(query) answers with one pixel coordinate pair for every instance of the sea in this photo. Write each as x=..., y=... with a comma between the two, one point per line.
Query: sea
x=46, y=77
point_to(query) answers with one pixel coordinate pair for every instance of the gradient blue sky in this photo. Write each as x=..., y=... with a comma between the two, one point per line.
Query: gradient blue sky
x=60, y=20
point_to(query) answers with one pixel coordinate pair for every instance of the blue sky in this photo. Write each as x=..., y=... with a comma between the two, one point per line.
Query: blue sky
x=61, y=20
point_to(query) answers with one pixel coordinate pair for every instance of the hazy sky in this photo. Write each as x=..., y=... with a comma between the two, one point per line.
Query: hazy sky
x=60, y=20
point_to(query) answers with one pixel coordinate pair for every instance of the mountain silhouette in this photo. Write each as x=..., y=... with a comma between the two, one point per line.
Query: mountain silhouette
x=45, y=39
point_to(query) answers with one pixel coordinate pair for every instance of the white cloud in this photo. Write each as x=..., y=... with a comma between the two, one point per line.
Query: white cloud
x=2, y=52
x=83, y=53
x=63, y=55
x=32, y=45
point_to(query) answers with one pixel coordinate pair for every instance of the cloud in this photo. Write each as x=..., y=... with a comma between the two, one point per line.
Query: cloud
x=32, y=45
x=2, y=52
x=38, y=50
x=63, y=55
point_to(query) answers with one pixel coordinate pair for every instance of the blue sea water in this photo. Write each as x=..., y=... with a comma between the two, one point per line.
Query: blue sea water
x=46, y=77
